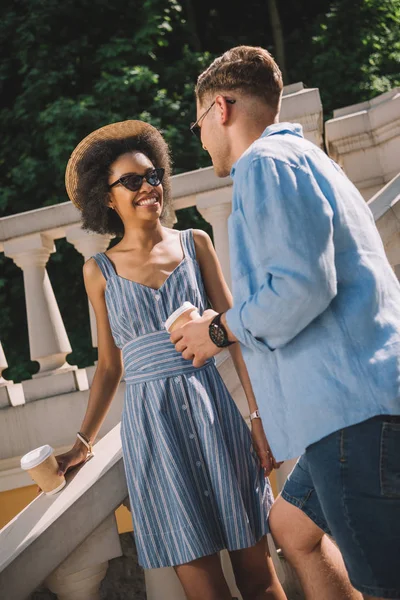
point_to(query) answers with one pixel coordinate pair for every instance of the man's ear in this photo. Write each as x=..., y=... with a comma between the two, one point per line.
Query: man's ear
x=223, y=109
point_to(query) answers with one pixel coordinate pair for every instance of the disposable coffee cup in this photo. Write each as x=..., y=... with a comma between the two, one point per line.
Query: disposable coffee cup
x=42, y=466
x=185, y=313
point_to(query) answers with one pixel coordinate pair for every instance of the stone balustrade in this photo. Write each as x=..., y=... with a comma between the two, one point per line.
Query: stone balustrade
x=76, y=526
x=365, y=140
x=385, y=207
x=10, y=393
x=303, y=105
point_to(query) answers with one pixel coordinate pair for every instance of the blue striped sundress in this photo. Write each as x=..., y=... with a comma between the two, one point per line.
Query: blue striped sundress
x=194, y=479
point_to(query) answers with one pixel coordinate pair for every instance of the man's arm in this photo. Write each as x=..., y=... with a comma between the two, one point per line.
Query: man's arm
x=290, y=222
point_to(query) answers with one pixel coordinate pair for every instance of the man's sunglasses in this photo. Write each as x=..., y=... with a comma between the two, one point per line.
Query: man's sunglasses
x=133, y=182
x=195, y=127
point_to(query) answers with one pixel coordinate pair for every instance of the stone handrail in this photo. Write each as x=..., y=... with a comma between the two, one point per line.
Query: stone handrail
x=49, y=529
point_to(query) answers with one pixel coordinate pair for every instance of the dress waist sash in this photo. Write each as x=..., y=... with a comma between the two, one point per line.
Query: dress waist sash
x=152, y=356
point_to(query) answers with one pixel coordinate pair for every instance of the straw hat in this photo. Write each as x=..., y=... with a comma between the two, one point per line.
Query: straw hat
x=115, y=131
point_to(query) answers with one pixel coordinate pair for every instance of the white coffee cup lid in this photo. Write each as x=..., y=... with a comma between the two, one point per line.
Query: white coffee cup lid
x=36, y=457
x=182, y=309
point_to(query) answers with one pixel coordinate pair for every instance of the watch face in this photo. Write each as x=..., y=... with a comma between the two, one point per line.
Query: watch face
x=217, y=335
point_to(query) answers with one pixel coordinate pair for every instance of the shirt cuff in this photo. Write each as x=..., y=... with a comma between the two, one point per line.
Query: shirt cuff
x=234, y=321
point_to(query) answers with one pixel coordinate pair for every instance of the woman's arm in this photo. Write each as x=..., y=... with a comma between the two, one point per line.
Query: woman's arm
x=221, y=300
x=108, y=373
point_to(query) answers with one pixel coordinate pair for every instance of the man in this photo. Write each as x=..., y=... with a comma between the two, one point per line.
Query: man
x=317, y=312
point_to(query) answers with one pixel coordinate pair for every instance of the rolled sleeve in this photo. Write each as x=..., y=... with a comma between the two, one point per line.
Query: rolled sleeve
x=244, y=335
x=290, y=224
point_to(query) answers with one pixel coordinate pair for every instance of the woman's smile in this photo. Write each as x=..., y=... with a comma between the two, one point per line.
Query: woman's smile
x=149, y=200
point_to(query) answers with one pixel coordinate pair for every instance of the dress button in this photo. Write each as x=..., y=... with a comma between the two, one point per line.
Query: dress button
x=198, y=464
x=192, y=436
x=157, y=296
x=177, y=379
x=184, y=407
x=206, y=493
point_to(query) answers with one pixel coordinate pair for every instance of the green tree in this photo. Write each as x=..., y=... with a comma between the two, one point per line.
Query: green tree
x=354, y=52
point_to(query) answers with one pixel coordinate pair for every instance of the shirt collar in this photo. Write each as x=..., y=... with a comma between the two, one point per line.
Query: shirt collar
x=281, y=128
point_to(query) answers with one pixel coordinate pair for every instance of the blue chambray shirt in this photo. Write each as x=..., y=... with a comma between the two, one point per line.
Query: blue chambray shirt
x=316, y=303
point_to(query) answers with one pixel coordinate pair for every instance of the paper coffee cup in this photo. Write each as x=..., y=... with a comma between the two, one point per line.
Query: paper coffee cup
x=186, y=312
x=42, y=466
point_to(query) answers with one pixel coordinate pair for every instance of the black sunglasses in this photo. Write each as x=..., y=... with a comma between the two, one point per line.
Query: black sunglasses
x=195, y=127
x=133, y=182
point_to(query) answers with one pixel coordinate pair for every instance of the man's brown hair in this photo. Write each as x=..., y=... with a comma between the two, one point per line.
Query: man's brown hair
x=249, y=69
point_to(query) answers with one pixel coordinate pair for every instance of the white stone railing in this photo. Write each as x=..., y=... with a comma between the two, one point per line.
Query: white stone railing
x=385, y=207
x=76, y=529
x=365, y=140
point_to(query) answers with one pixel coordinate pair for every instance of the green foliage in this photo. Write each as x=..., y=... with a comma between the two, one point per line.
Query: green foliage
x=355, y=51
x=69, y=68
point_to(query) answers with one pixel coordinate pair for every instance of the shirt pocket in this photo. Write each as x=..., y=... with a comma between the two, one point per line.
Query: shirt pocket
x=390, y=459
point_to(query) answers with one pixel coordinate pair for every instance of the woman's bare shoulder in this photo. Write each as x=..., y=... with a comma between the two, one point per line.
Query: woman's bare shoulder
x=202, y=240
x=92, y=273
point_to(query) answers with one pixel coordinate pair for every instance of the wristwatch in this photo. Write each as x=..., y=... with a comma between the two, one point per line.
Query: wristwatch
x=255, y=415
x=218, y=333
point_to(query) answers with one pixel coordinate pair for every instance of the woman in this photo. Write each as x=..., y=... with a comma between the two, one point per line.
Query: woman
x=196, y=485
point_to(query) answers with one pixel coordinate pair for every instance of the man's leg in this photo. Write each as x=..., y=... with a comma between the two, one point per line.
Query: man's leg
x=355, y=473
x=317, y=561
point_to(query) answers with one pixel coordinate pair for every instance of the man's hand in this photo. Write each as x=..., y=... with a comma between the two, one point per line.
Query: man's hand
x=261, y=446
x=193, y=340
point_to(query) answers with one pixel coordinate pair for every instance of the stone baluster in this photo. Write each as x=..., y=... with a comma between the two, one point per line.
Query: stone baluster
x=83, y=585
x=10, y=392
x=216, y=207
x=88, y=244
x=3, y=365
x=48, y=340
x=79, y=577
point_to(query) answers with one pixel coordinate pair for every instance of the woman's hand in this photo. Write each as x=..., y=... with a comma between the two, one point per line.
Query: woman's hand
x=261, y=446
x=67, y=461
x=74, y=457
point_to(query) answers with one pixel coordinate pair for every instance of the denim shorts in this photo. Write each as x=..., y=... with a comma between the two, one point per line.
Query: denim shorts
x=348, y=483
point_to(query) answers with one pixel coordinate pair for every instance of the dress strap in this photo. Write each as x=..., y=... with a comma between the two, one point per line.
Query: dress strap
x=106, y=266
x=187, y=240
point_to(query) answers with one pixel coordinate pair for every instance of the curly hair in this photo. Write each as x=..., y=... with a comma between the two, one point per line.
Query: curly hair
x=93, y=171
x=245, y=68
